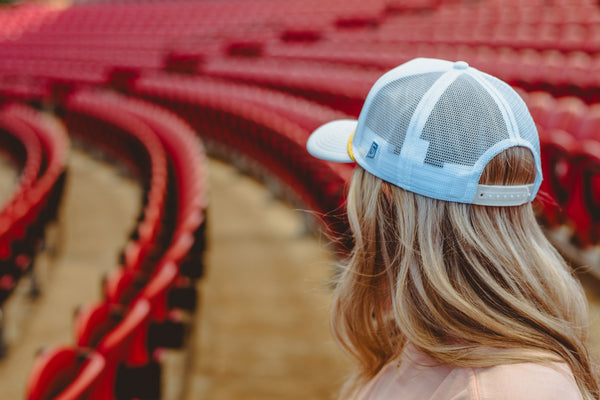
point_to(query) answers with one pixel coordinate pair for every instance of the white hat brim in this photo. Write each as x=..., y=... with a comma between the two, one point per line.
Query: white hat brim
x=330, y=141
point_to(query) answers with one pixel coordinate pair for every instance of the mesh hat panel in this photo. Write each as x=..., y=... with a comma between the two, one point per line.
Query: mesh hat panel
x=464, y=123
x=402, y=97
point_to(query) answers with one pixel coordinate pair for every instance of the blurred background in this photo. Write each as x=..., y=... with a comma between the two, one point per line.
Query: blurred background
x=163, y=232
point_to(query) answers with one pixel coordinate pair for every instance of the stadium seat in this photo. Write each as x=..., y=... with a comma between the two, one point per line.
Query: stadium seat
x=583, y=206
x=567, y=114
x=116, y=336
x=589, y=125
x=65, y=373
x=560, y=171
x=541, y=106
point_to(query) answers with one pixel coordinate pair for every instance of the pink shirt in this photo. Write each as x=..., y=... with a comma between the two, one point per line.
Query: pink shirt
x=419, y=378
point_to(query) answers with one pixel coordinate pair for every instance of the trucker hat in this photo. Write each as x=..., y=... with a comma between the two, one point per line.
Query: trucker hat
x=430, y=127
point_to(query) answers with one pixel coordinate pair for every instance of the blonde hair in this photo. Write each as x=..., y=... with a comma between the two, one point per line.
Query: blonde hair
x=453, y=278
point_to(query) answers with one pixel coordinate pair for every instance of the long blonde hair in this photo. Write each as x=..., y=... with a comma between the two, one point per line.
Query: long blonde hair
x=454, y=278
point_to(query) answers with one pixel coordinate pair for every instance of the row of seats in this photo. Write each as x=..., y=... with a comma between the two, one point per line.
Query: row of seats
x=23, y=89
x=552, y=12
x=337, y=86
x=39, y=145
x=89, y=57
x=185, y=18
x=267, y=126
x=559, y=73
x=22, y=146
x=567, y=37
x=118, y=340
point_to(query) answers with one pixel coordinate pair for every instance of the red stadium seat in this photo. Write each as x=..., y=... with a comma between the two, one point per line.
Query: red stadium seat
x=116, y=338
x=541, y=106
x=567, y=114
x=583, y=207
x=557, y=148
x=65, y=373
x=589, y=125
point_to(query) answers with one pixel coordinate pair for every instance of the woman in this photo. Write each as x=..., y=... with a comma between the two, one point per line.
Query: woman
x=452, y=291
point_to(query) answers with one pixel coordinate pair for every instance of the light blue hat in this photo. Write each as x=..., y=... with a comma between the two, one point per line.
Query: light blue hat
x=431, y=126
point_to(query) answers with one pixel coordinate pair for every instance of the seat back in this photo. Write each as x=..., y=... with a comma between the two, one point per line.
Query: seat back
x=65, y=373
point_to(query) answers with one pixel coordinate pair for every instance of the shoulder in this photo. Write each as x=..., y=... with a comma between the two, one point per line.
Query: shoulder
x=529, y=381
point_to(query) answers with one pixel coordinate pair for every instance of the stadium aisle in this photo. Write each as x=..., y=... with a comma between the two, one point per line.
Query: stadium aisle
x=8, y=179
x=263, y=328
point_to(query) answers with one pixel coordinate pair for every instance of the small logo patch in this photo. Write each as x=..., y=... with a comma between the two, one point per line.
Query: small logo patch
x=372, y=150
